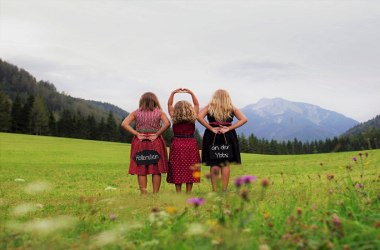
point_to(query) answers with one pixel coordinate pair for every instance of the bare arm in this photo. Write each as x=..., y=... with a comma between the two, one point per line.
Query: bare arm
x=242, y=119
x=195, y=100
x=170, y=102
x=126, y=125
x=201, y=119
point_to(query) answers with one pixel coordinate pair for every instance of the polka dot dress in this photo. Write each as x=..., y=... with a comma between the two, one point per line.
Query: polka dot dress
x=184, y=159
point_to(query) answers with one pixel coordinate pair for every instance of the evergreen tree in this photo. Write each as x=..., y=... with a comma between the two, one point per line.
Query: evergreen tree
x=26, y=125
x=5, y=113
x=111, y=132
x=39, y=117
x=17, y=118
x=52, y=124
x=198, y=137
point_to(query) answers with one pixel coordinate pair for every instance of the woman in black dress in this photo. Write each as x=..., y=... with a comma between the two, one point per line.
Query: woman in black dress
x=220, y=130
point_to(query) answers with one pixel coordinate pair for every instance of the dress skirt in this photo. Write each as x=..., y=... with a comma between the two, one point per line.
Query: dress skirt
x=184, y=161
x=231, y=138
x=158, y=145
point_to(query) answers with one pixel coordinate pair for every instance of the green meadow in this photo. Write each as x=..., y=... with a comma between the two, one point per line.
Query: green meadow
x=60, y=193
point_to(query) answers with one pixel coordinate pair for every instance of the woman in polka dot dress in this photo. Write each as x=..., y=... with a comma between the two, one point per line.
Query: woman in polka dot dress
x=184, y=159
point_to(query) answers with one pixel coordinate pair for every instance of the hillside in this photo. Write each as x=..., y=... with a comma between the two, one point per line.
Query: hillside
x=18, y=82
x=364, y=127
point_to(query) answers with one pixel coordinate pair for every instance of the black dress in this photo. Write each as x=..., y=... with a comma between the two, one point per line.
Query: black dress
x=231, y=138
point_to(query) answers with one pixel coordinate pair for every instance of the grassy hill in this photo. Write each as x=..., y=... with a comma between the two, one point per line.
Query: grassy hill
x=68, y=193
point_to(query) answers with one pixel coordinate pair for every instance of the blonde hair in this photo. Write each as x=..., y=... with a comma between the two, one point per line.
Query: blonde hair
x=220, y=106
x=183, y=112
x=149, y=101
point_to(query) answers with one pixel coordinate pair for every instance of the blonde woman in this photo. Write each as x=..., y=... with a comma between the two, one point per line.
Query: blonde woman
x=220, y=130
x=184, y=159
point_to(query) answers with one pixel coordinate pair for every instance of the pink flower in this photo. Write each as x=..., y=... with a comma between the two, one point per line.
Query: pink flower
x=196, y=201
x=354, y=159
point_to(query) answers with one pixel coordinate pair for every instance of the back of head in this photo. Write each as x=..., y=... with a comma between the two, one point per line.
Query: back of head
x=220, y=105
x=149, y=102
x=183, y=112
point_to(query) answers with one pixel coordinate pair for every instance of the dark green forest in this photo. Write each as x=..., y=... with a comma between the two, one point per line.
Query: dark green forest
x=36, y=107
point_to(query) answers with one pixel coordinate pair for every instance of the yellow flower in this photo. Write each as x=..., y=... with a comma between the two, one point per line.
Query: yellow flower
x=171, y=210
x=197, y=174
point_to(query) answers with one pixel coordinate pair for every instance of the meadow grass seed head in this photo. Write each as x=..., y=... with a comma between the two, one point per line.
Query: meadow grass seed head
x=264, y=247
x=366, y=154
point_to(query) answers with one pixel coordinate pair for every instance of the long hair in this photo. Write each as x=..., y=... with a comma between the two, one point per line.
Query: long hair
x=149, y=101
x=220, y=106
x=183, y=112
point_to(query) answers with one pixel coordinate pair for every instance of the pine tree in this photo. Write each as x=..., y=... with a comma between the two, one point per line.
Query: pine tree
x=17, y=118
x=5, y=113
x=39, y=117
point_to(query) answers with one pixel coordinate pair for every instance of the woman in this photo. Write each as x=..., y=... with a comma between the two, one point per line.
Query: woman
x=220, y=130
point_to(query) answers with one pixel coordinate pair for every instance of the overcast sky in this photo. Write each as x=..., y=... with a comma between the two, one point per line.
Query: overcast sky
x=325, y=53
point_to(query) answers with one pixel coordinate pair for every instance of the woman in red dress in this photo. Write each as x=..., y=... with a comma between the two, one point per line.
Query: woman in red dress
x=184, y=159
x=147, y=136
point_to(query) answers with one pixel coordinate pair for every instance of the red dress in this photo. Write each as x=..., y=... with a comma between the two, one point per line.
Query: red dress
x=148, y=122
x=184, y=156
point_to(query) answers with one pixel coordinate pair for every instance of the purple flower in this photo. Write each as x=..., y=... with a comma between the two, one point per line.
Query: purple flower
x=354, y=159
x=238, y=182
x=196, y=201
x=248, y=178
x=245, y=179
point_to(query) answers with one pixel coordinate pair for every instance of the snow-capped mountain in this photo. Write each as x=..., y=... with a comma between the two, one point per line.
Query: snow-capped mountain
x=280, y=119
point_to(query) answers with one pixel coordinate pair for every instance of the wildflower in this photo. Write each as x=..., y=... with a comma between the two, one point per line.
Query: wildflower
x=196, y=174
x=195, y=229
x=349, y=168
x=155, y=210
x=112, y=216
x=244, y=195
x=265, y=182
x=314, y=207
x=195, y=167
x=266, y=215
x=196, y=201
x=171, y=210
x=336, y=221
x=346, y=247
x=359, y=185
x=248, y=178
x=37, y=187
x=354, y=159
x=360, y=154
x=321, y=164
x=299, y=211
x=238, y=182
x=377, y=224
x=208, y=176
x=330, y=177
x=109, y=188
x=366, y=154
x=264, y=247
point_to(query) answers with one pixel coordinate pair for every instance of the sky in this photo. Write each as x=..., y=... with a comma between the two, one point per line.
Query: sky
x=325, y=53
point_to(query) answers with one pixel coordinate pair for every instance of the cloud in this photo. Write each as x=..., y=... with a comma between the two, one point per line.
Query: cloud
x=261, y=70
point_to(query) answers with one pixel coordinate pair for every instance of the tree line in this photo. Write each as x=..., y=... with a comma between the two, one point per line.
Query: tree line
x=32, y=116
x=369, y=139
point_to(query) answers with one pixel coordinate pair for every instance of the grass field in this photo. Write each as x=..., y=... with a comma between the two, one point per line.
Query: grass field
x=59, y=193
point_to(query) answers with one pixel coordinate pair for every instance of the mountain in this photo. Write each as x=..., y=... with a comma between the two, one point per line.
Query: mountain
x=18, y=82
x=281, y=120
x=364, y=127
